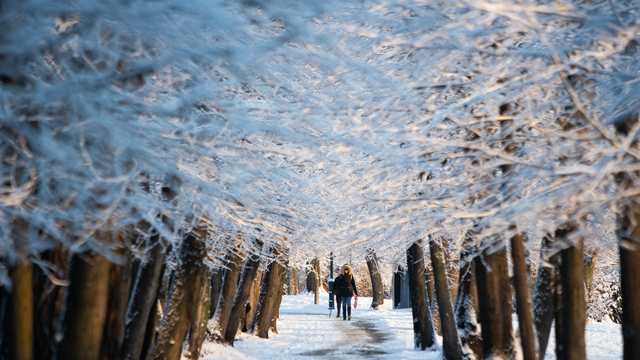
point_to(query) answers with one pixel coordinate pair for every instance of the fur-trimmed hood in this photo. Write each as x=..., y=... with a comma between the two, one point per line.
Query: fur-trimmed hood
x=345, y=267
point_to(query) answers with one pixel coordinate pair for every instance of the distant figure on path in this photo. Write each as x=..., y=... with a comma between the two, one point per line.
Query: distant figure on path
x=346, y=287
x=336, y=291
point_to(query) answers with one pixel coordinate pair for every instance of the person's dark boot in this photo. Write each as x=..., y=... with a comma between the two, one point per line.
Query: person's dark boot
x=338, y=313
x=349, y=311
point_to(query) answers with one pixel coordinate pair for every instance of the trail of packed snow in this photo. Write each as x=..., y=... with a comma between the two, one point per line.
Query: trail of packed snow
x=307, y=332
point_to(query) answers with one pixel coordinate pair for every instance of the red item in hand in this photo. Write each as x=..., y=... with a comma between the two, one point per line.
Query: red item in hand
x=356, y=303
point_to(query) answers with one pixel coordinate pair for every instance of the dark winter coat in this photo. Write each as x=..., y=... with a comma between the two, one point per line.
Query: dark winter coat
x=336, y=287
x=344, y=284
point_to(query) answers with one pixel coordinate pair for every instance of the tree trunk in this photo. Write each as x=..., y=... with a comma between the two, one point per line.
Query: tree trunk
x=376, y=279
x=143, y=300
x=85, y=308
x=254, y=293
x=20, y=312
x=153, y=321
x=557, y=303
x=629, y=235
x=49, y=300
x=466, y=307
x=494, y=301
x=543, y=296
x=276, y=307
x=316, y=281
x=292, y=285
x=240, y=300
x=198, y=327
x=573, y=299
x=216, y=288
x=268, y=296
x=114, y=327
x=220, y=320
x=423, y=332
x=452, y=349
x=590, y=258
x=181, y=304
x=523, y=307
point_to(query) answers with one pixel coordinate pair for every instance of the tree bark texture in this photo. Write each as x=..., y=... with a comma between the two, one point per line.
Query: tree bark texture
x=466, y=305
x=254, y=293
x=629, y=236
x=276, y=308
x=20, y=312
x=241, y=297
x=423, y=331
x=543, y=295
x=181, y=304
x=316, y=281
x=85, y=307
x=590, y=259
x=452, y=349
x=198, y=327
x=292, y=285
x=557, y=303
x=50, y=288
x=143, y=300
x=218, y=325
x=114, y=326
x=573, y=345
x=494, y=302
x=376, y=279
x=153, y=321
x=216, y=288
x=523, y=307
x=268, y=296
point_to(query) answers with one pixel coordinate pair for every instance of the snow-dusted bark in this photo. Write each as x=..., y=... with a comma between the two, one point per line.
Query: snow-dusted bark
x=237, y=313
x=544, y=294
x=292, y=281
x=269, y=288
x=181, y=304
x=216, y=287
x=424, y=336
x=273, y=327
x=466, y=307
x=198, y=327
x=49, y=287
x=218, y=324
x=143, y=300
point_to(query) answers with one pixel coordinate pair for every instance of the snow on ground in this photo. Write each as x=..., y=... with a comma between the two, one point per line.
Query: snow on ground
x=307, y=332
x=604, y=342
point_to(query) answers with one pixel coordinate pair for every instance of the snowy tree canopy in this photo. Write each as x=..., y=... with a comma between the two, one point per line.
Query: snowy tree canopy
x=320, y=126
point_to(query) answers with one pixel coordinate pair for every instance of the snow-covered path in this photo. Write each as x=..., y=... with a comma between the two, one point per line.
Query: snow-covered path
x=307, y=332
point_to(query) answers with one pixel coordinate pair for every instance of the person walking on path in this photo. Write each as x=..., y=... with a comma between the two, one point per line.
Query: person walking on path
x=346, y=289
x=336, y=291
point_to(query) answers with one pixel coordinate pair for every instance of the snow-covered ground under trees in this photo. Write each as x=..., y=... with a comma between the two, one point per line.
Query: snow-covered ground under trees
x=307, y=332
